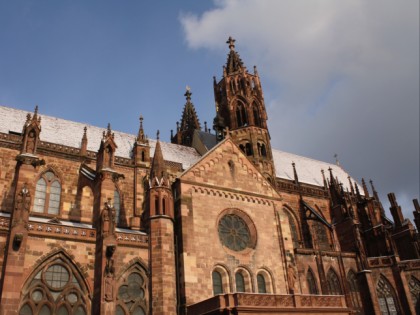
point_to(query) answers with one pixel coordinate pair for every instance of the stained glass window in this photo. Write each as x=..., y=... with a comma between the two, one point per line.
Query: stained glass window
x=131, y=296
x=310, y=279
x=234, y=232
x=240, y=282
x=47, y=194
x=54, y=290
x=261, y=284
x=117, y=206
x=355, y=292
x=333, y=283
x=321, y=236
x=217, y=283
x=386, y=297
x=293, y=230
x=414, y=286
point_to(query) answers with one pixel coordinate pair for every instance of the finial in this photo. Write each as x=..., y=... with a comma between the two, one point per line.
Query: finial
x=295, y=173
x=323, y=178
x=109, y=127
x=36, y=111
x=214, y=80
x=188, y=93
x=177, y=126
x=141, y=121
x=205, y=126
x=172, y=133
x=365, y=190
x=157, y=135
x=255, y=70
x=231, y=43
x=351, y=185
x=84, y=130
x=28, y=117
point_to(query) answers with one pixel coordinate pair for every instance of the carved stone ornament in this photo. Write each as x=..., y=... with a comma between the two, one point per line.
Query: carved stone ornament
x=22, y=206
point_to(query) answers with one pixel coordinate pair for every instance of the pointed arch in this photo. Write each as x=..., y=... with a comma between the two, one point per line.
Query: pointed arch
x=321, y=233
x=256, y=114
x=414, y=286
x=333, y=283
x=241, y=114
x=54, y=285
x=354, y=291
x=132, y=289
x=293, y=227
x=47, y=198
x=387, y=298
x=311, y=281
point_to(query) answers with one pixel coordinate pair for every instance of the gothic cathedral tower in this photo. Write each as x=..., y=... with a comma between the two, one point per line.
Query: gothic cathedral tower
x=240, y=108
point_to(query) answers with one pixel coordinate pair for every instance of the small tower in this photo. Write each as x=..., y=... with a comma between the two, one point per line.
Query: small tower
x=141, y=149
x=240, y=107
x=160, y=221
x=189, y=123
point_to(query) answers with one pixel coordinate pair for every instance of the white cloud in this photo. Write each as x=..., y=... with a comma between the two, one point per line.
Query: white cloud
x=343, y=76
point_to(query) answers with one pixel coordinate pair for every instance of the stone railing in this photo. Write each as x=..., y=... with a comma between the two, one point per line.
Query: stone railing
x=267, y=303
x=376, y=262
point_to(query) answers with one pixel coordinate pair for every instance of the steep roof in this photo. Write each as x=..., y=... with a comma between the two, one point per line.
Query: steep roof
x=69, y=133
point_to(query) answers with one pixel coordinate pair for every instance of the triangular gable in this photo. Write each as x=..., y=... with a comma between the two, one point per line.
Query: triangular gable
x=225, y=166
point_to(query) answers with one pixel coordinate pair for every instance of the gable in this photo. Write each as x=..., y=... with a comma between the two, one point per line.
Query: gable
x=226, y=167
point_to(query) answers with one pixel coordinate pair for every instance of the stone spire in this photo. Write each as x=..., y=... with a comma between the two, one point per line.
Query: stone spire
x=141, y=137
x=234, y=62
x=158, y=170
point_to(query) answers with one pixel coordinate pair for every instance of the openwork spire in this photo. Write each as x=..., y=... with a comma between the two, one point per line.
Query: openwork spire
x=189, y=120
x=234, y=62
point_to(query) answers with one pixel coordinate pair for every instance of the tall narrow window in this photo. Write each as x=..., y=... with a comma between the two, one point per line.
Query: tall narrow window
x=240, y=282
x=386, y=297
x=310, y=279
x=241, y=117
x=333, y=283
x=414, y=286
x=248, y=149
x=261, y=284
x=47, y=194
x=321, y=236
x=355, y=292
x=117, y=206
x=256, y=112
x=293, y=229
x=217, y=283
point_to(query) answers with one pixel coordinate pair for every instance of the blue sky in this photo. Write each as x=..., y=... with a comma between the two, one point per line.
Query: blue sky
x=338, y=76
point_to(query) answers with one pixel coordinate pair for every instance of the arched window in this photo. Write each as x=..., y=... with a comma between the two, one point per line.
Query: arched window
x=117, y=206
x=240, y=282
x=354, y=292
x=333, y=283
x=256, y=112
x=241, y=117
x=386, y=297
x=414, y=286
x=47, y=194
x=242, y=147
x=217, y=282
x=263, y=150
x=293, y=229
x=248, y=149
x=262, y=288
x=56, y=288
x=321, y=235
x=310, y=279
x=132, y=295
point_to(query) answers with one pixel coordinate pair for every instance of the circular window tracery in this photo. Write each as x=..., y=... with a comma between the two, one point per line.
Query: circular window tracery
x=236, y=230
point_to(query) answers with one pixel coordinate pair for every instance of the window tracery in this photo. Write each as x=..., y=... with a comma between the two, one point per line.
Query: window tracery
x=414, y=286
x=386, y=297
x=355, y=292
x=55, y=289
x=47, y=194
x=132, y=294
x=241, y=116
x=310, y=279
x=333, y=283
x=293, y=229
x=321, y=236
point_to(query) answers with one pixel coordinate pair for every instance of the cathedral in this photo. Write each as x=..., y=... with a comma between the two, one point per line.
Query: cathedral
x=96, y=221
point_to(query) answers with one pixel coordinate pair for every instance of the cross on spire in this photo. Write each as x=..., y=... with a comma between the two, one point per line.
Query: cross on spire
x=231, y=43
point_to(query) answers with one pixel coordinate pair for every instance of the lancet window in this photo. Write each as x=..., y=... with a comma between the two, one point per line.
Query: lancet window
x=355, y=292
x=47, y=194
x=333, y=283
x=217, y=282
x=293, y=229
x=386, y=297
x=310, y=279
x=241, y=116
x=132, y=293
x=414, y=286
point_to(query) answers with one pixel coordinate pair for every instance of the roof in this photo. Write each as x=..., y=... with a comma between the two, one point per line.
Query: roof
x=69, y=133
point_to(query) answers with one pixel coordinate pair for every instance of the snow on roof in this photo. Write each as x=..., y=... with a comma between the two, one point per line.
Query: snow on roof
x=308, y=170
x=69, y=133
